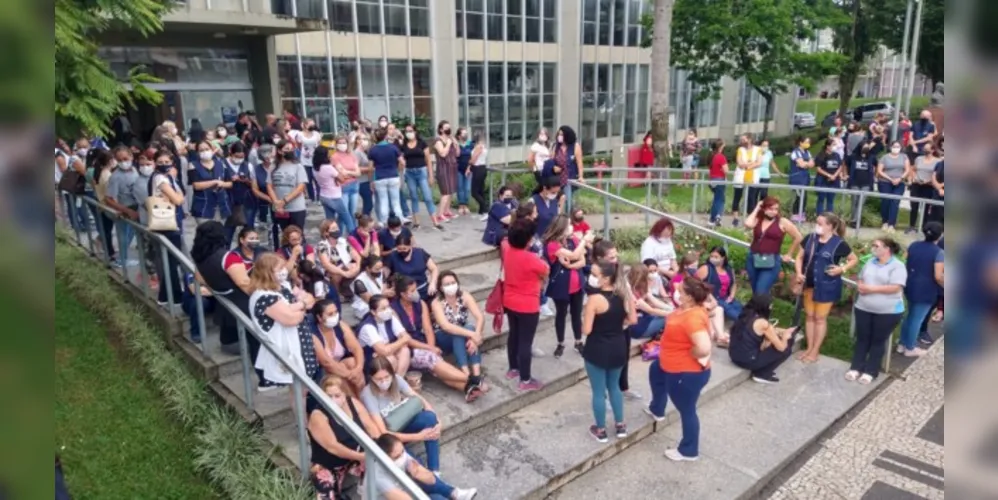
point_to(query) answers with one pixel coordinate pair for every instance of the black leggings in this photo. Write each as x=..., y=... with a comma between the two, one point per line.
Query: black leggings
x=295, y=218
x=478, y=175
x=736, y=201
x=624, y=384
x=520, y=345
x=765, y=363
x=872, y=332
x=561, y=309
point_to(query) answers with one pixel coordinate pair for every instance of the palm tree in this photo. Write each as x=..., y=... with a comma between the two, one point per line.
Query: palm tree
x=660, y=48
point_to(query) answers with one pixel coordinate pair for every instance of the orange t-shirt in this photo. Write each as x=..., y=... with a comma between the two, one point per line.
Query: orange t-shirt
x=674, y=348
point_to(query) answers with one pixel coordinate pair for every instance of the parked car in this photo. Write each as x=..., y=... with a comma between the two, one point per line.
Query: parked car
x=829, y=120
x=869, y=111
x=804, y=120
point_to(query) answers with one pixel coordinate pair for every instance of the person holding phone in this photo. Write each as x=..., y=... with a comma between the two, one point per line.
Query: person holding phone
x=756, y=344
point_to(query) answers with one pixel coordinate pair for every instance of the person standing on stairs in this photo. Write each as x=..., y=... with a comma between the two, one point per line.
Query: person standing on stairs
x=524, y=275
x=878, y=309
x=682, y=369
x=567, y=257
x=756, y=344
x=608, y=312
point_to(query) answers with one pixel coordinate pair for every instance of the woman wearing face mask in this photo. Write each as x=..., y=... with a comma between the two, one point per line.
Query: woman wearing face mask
x=387, y=160
x=682, y=369
x=338, y=260
x=651, y=311
x=414, y=315
x=819, y=269
x=365, y=238
x=212, y=182
x=383, y=122
x=336, y=347
x=547, y=203
x=892, y=170
x=241, y=194
x=261, y=176
x=386, y=394
x=446, y=150
x=163, y=182
x=280, y=315
x=294, y=250
x=286, y=188
x=249, y=247
x=523, y=275
x=801, y=164
x=756, y=344
x=122, y=194
x=718, y=274
x=369, y=282
x=466, y=146
x=459, y=326
x=607, y=314
x=763, y=174
x=658, y=246
x=387, y=236
x=921, y=184
x=568, y=160
x=415, y=263
x=330, y=173
x=540, y=152
x=358, y=194
x=862, y=165
x=336, y=454
x=827, y=174
x=103, y=166
x=878, y=309
x=382, y=335
x=418, y=177
x=499, y=217
x=308, y=139
x=719, y=173
x=769, y=231
x=691, y=153
x=567, y=257
x=688, y=267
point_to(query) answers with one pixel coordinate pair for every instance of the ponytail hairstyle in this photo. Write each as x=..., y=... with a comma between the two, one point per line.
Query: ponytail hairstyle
x=838, y=227
x=615, y=273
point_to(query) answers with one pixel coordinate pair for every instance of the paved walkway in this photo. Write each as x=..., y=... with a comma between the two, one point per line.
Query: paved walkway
x=892, y=450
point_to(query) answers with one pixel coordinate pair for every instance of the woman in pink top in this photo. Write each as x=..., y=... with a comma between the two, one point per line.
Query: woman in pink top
x=330, y=179
x=364, y=239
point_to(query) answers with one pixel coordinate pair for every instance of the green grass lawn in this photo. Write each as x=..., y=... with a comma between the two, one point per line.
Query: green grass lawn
x=821, y=107
x=112, y=430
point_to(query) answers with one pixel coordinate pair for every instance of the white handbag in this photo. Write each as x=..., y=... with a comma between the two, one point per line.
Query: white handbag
x=161, y=213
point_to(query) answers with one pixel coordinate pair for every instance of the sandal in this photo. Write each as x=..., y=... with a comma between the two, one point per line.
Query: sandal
x=852, y=375
x=866, y=379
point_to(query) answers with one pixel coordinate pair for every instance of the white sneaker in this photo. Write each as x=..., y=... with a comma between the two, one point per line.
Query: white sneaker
x=484, y=217
x=675, y=456
x=914, y=353
x=652, y=415
x=852, y=375
x=464, y=493
x=900, y=349
x=632, y=394
x=536, y=352
x=546, y=311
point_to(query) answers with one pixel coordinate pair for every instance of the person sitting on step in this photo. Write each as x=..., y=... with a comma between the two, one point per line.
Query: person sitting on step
x=431, y=483
x=756, y=344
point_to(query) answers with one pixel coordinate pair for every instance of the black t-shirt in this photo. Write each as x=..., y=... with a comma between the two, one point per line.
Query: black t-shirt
x=862, y=170
x=940, y=177
x=829, y=162
x=415, y=157
x=841, y=252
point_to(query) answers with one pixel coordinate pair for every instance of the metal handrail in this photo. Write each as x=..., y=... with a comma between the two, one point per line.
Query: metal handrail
x=301, y=382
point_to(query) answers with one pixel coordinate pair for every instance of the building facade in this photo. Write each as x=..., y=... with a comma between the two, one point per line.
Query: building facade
x=504, y=68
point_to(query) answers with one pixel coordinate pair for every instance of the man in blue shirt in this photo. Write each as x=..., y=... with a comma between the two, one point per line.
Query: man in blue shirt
x=922, y=132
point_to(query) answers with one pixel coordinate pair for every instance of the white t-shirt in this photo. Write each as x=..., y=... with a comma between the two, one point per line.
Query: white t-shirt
x=371, y=335
x=308, y=145
x=284, y=338
x=541, y=155
x=662, y=251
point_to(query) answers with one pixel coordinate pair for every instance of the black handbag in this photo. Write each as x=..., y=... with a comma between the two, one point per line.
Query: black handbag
x=237, y=218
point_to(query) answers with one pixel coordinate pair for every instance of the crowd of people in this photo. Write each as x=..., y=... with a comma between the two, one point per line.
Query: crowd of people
x=414, y=318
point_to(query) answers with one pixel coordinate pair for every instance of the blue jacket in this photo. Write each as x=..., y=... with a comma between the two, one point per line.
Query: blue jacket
x=206, y=201
x=921, y=287
x=559, y=282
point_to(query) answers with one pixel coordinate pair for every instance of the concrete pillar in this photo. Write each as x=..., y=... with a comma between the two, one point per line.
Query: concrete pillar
x=728, y=115
x=783, y=114
x=263, y=74
x=569, y=56
x=446, y=49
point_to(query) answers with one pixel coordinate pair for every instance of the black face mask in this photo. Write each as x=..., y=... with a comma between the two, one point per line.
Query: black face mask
x=446, y=131
x=404, y=254
x=164, y=168
x=313, y=128
x=335, y=235
x=923, y=120
x=289, y=155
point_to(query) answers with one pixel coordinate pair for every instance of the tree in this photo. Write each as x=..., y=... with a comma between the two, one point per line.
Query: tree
x=759, y=41
x=88, y=95
x=660, y=54
x=889, y=16
x=856, y=40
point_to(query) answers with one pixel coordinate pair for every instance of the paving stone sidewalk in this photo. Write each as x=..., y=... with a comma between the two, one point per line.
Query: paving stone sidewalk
x=892, y=450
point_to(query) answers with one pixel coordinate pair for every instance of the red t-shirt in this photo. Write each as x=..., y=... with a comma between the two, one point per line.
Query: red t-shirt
x=574, y=284
x=717, y=163
x=524, y=272
x=582, y=227
x=647, y=155
x=232, y=258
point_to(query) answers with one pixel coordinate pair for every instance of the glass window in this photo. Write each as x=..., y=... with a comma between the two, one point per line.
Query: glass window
x=476, y=78
x=515, y=109
x=476, y=110
x=321, y=110
x=340, y=15
x=514, y=28
x=589, y=8
x=630, y=73
x=292, y=105
x=419, y=19
x=316, y=76
x=549, y=111
x=375, y=91
x=496, y=78
x=395, y=20
x=514, y=129
x=533, y=7
x=642, y=120
x=345, y=77
x=474, y=29
x=533, y=109
x=424, y=112
x=617, y=80
x=368, y=17
x=514, y=78
x=533, y=30
x=398, y=78
x=181, y=65
x=514, y=7
x=643, y=78
x=604, y=21
x=532, y=78
x=549, y=8
x=619, y=22
x=347, y=111
x=497, y=110
x=602, y=78
x=629, y=110
x=634, y=31
x=550, y=77
x=287, y=76
x=462, y=110
x=550, y=31
x=421, y=84
x=495, y=27
x=494, y=6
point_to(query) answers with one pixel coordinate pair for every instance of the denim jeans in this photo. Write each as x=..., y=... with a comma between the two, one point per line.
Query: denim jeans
x=438, y=490
x=388, y=198
x=463, y=189
x=366, y=201
x=457, y=345
x=426, y=420
x=647, y=326
x=826, y=202
x=684, y=389
x=889, y=208
x=351, y=198
x=125, y=236
x=310, y=188
x=336, y=208
x=601, y=381
x=855, y=200
x=917, y=312
x=762, y=280
x=418, y=181
x=717, y=205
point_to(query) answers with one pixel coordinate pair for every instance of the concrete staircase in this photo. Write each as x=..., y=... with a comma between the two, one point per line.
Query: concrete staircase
x=513, y=445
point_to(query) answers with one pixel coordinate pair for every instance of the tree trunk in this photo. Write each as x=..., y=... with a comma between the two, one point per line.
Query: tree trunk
x=768, y=97
x=850, y=71
x=660, y=52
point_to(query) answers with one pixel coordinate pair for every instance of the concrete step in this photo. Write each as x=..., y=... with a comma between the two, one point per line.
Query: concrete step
x=746, y=437
x=536, y=450
x=273, y=408
x=478, y=279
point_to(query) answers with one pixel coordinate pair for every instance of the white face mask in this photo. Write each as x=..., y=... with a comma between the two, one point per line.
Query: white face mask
x=450, y=290
x=819, y=230
x=552, y=196
x=410, y=135
x=384, y=385
x=281, y=275
x=342, y=148
x=402, y=461
x=125, y=165
x=82, y=152
x=383, y=124
x=146, y=170
x=236, y=161
x=385, y=315
x=593, y=281
x=716, y=261
x=332, y=321
x=206, y=155
x=221, y=133
x=561, y=139
x=365, y=143
x=896, y=149
x=542, y=138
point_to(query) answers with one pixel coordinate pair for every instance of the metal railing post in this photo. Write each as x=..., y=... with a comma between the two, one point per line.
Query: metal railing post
x=165, y=256
x=244, y=357
x=859, y=213
x=693, y=211
x=606, y=217
x=119, y=232
x=86, y=226
x=199, y=310
x=921, y=215
x=745, y=197
x=803, y=203
x=70, y=203
x=370, y=473
x=104, y=237
x=647, y=202
x=143, y=272
x=503, y=178
x=299, y=401
x=568, y=198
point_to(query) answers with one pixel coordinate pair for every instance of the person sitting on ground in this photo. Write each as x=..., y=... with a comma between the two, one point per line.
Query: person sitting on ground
x=499, y=217
x=336, y=347
x=369, y=282
x=339, y=261
x=293, y=249
x=397, y=409
x=658, y=245
x=431, y=484
x=579, y=225
x=311, y=279
x=388, y=235
x=337, y=457
x=718, y=274
x=756, y=344
x=381, y=333
x=459, y=329
x=364, y=240
x=416, y=263
x=651, y=311
x=687, y=267
x=415, y=318
x=655, y=283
